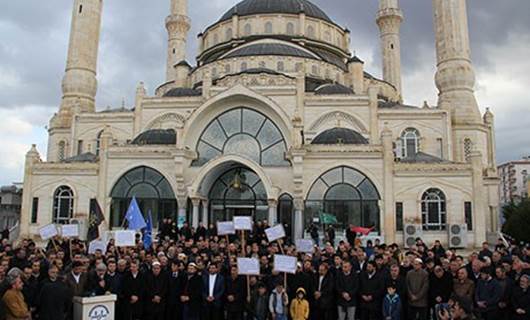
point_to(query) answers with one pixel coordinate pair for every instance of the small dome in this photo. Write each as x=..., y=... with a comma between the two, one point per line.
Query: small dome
x=156, y=137
x=339, y=136
x=252, y=7
x=331, y=89
x=183, y=92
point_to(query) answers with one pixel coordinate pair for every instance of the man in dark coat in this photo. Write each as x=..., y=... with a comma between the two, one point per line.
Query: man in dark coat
x=371, y=292
x=175, y=287
x=133, y=293
x=156, y=293
x=191, y=296
x=351, y=236
x=235, y=292
x=213, y=293
x=347, y=285
x=488, y=295
x=521, y=299
x=55, y=298
x=440, y=287
x=98, y=283
x=324, y=285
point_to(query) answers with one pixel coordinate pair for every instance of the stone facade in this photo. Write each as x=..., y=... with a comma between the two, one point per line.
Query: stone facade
x=266, y=88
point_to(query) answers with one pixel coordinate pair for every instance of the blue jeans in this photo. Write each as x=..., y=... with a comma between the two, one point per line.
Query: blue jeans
x=281, y=317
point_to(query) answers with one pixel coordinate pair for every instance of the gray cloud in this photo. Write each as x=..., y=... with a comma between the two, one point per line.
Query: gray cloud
x=35, y=39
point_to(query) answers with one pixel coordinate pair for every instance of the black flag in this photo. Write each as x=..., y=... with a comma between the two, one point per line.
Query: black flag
x=95, y=219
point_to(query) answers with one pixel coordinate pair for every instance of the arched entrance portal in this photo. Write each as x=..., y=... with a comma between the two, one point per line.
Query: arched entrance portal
x=237, y=191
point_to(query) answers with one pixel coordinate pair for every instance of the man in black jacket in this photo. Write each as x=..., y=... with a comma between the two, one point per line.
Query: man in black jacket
x=235, y=292
x=133, y=293
x=347, y=284
x=325, y=293
x=54, y=298
x=175, y=287
x=371, y=292
x=156, y=293
x=191, y=296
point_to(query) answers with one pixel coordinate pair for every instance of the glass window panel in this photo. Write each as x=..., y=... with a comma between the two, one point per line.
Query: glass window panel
x=120, y=189
x=206, y=153
x=243, y=145
x=268, y=135
x=353, y=177
x=143, y=190
x=368, y=190
x=215, y=135
x=434, y=213
x=318, y=190
x=228, y=177
x=218, y=191
x=249, y=177
x=252, y=121
x=342, y=192
x=165, y=190
x=244, y=193
x=371, y=214
x=231, y=122
x=333, y=177
x=136, y=175
x=353, y=208
x=312, y=211
x=260, y=191
x=152, y=176
x=275, y=156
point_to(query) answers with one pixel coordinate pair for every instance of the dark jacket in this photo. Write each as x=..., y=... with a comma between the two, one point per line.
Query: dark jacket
x=521, y=300
x=440, y=287
x=371, y=286
x=95, y=286
x=490, y=292
x=327, y=290
x=392, y=307
x=156, y=286
x=133, y=286
x=55, y=298
x=78, y=288
x=237, y=289
x=218, y=290
x=347, y=284
x=192, y=288
x=259, y=306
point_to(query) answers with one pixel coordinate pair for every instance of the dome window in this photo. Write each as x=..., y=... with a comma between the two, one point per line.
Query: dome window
x=290, y=29
x=268, y=27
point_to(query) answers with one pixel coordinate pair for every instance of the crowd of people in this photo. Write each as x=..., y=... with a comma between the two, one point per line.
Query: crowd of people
x=192, y=274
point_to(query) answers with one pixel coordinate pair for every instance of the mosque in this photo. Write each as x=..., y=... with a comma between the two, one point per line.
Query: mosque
x=277, y=120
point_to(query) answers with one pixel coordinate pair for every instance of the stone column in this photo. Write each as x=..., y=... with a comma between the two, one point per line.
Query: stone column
x=389, y=222
x=298, y=219
x=195, y=212
x=182, y=202
x=273, y=212
x=480, y=211
x=374, y=121
x=205, y=213
x=32, y=157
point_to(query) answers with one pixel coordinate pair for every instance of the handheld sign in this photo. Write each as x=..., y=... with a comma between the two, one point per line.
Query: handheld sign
x=97, y=245
x=125, y=238
x=48, y=232
x=305, y=245
x=248, y=266
x=285, y=264
x=243, y=223
x=225, y=228
x=70, y=230
x=275, y=233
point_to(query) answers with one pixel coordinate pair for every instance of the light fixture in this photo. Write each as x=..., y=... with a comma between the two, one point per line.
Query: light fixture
x=236, y=184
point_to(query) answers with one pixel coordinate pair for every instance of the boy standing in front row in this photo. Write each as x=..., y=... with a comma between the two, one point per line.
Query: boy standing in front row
x=392, y=304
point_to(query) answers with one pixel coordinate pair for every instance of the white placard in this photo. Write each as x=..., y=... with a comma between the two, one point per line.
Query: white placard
x=226, y=228
x=48, y=232
x=248, y=266
x=97, y=245
x=305, y=245
x=243, y=223
x=275, y=233
x=126, y=238
x=285, y=264
x=70, y=230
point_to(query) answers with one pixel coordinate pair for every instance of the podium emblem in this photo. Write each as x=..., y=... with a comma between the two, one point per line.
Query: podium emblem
x=99, y=312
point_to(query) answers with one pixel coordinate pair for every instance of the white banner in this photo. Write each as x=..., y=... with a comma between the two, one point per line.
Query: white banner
x=248, y=266
x=97, y=245
x=48, y=232
x=70, y=230
x=226, y=228
x=275, y=233
x=243, y=223
x=305, y=245
x=126, y=238
x=285, y=264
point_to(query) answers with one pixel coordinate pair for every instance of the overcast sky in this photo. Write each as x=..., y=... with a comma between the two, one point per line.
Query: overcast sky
x=34, y=38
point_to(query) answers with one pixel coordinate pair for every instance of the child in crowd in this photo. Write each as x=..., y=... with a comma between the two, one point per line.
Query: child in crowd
x=392, y=304
x=278, y=303
x=300, y=306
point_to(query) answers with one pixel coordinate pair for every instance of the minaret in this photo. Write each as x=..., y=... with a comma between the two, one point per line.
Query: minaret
x=79, y=82
x=389, y=19
x=177, y=24
x=455, y=77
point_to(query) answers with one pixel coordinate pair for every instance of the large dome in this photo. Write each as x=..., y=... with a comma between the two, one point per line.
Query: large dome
x=251, y=7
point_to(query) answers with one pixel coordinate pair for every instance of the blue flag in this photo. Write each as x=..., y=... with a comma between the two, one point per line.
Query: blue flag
x=135, y=218
x=148, y=232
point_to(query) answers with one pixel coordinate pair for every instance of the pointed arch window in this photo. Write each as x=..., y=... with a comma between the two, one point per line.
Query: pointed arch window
x=410, y=142
x=63, y=205
x=434, y=210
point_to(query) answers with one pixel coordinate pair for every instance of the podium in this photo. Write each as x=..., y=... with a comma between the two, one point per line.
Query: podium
x=95, y=308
